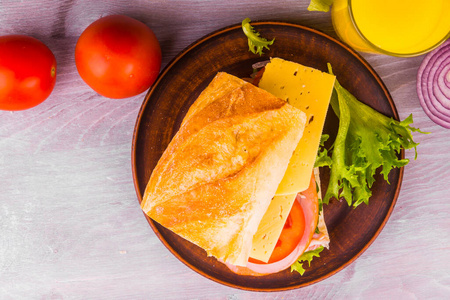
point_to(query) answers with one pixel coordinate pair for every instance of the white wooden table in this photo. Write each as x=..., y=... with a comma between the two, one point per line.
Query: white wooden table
x=70, y=223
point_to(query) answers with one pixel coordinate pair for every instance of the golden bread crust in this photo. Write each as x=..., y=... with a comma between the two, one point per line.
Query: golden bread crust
x=216, y=178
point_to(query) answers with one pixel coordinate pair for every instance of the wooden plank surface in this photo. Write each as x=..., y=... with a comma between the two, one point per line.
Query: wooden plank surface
x=70, y=223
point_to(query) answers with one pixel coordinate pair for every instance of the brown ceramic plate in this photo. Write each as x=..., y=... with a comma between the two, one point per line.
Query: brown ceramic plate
x=351, y=230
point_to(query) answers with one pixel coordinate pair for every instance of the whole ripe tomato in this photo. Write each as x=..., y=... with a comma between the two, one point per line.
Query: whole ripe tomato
x=118, y=56
x=27, y=72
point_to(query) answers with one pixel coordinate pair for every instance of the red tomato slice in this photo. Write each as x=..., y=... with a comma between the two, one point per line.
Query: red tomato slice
x=258, y=77
x=290, y=235
x=309, y=209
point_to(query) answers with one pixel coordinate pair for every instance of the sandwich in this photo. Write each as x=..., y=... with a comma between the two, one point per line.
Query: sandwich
x=238, y=178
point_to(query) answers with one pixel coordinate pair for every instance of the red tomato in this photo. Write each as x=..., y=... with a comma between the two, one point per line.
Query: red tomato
x=294, y=228
x=258, y=76
x=27, y=72
x=118, y=56
x=290, y=235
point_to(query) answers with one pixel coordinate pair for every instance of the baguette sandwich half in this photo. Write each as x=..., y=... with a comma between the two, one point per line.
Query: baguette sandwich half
x=217, y=183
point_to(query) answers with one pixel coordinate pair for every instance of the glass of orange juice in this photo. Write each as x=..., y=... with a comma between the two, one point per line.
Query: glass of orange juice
x=393, y=27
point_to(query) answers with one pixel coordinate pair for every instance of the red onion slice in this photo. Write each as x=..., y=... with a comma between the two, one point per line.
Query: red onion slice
x=438, y=88
x=433, y=85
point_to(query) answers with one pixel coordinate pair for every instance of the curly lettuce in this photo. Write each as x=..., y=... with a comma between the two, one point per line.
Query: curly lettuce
x=305, y=257
x=256, y=44
x=322, y=159
x=366, y=140
x=320, y=5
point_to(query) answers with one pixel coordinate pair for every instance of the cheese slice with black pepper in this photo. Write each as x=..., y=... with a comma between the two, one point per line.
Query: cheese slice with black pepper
x=309, y=90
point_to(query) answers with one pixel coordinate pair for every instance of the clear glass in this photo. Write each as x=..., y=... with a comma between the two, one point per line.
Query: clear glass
x=363, y=33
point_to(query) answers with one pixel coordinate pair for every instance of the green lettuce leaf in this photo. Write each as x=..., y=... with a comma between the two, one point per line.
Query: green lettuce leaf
x=322, y=158
x=256, y=44
x=320, y=5
x=305, y=257
x=366, y=140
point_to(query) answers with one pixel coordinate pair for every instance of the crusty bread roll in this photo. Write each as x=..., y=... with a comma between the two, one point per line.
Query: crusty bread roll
x=215, y=180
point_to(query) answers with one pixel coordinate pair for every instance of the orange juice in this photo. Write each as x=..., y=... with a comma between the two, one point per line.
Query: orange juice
x=395, y=27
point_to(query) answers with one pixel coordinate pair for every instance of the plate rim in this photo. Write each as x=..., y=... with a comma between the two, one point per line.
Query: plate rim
x=167, y=69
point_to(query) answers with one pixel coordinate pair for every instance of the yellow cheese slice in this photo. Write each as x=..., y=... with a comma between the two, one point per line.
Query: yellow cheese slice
x=309, y=90
x=269, y=230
